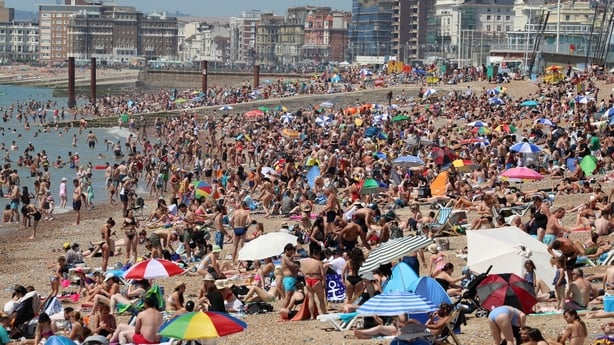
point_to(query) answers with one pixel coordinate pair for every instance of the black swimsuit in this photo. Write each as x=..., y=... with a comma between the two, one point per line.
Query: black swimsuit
x=131, y=232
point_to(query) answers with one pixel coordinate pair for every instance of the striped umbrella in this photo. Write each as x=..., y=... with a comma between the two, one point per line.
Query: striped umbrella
x=477, y=124
x=391, y=251
x=153, y=269
x=202, y=325
x=544, y=121
x=525, y=147
x=408, y=161
x=396, y=303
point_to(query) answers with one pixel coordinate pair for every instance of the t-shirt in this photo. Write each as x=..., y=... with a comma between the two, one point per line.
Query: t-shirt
x=4, y=336
x=337, y=264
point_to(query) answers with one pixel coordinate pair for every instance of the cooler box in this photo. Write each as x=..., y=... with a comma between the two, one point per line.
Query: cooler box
x=608, y=303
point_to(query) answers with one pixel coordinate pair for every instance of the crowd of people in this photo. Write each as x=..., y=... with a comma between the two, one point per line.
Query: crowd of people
x=214, y=176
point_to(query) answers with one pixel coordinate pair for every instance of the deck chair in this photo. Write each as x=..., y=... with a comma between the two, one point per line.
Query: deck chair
x=139, y=208
x=509, y=213
x=413, y=333
x=340, y=321
x=451, y=329
x=442, y=226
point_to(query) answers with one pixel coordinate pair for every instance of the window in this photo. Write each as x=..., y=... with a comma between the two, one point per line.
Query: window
x=498, y=27
x=507, y=17
x=488, y=28
x=498, y=18
x=488, y=17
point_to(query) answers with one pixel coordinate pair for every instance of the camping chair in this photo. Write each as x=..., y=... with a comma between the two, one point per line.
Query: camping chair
x=451, y=329
x=442, y=226
x=138, y=208
x=340, y=321
x=603, y=260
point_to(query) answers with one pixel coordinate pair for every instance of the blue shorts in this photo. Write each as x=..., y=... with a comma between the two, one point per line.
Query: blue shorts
x=549, y=238
x=289, y=283
x=219, y=239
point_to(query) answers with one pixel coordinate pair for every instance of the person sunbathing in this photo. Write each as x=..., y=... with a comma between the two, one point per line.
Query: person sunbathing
x=381, y=329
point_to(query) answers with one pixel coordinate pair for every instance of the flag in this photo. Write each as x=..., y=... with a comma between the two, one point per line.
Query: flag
x=572, y=48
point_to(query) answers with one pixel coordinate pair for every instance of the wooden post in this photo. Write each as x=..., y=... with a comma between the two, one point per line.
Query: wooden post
x=256, y=76
x=93, y=81
x=72, y=102
x=203, y=66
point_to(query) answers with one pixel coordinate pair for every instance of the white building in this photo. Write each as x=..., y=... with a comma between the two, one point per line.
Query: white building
x=202, y=41
x=243, y=36
x=18, y=42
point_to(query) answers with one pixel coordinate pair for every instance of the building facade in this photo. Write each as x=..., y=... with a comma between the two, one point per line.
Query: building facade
x=372, y=27
x=242, y=45
x=204, y=41
x=326, y=35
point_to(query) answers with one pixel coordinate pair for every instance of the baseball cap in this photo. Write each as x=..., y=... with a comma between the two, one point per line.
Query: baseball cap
x=216, y=249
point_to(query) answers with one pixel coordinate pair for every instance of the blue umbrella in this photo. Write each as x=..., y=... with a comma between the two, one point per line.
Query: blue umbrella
x=226, y=108
x=408, y=161
x=428, y=93
x=583, y=99
x=327, y=105
x=312, y=174
x=59, y=340
x=287, y=117
x=496, y=101
x=611, y=121
x=609, y=113
x=525, y=147
x=380, y=155
x=396, y=303
x=477, y=124
x=529, y=103
x=323, y=120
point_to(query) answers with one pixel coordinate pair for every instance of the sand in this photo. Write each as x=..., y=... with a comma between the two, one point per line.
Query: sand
x=26, y=262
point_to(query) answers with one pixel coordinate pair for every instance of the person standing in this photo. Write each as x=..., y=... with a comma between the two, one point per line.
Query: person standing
x=63, y=194
x=240, y=221
x=313, y=270
x=77, y=201
x=218, y=221
x=290, y=272
x=330, y=210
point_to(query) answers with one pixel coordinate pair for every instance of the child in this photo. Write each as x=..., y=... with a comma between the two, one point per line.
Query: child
x=559, y=282
x=438, y=259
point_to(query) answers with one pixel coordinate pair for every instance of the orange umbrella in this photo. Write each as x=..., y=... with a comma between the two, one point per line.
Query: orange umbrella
x=351, y=110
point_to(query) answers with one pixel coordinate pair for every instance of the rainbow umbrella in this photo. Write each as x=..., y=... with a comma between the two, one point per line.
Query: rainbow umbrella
x=202, y=325
x=506, y=128
x=201, y=189
x=480, y=130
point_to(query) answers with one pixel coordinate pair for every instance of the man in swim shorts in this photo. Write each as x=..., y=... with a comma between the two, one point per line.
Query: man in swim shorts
x=76, y=200
x=348, y=234
x=568, y=250
x=330, y=209
x=240, y=221
x=148, y=322
x=290, y=271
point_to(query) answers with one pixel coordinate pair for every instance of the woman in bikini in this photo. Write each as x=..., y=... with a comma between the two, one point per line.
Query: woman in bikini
x=209, y=263
x=353, y=282
x=575, y=333
x=313, y=270
x=44, y=328
x=130, y=227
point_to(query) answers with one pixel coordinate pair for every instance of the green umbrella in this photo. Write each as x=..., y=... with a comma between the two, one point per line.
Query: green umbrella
x=588, y=164
x=399, y=118
x=124, y=117
x=180, y=100
x=370, y=186
x=263, y=108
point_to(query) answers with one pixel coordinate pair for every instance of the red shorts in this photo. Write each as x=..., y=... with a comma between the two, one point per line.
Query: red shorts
x=140, y=339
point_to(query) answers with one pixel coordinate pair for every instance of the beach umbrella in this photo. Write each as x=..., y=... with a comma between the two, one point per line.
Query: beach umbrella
x=553, y=68
x=521, y=173
x=226, y=108
x=611, y=122
x=442, y=156
x=408, y=161
x=525, y=147
x=180, y=100
x=400, y=118
x=370, y=186
x=153, y=269
x=201, y=189
x=464, y=165
x=335, y=79
x=529, y=103
x=609, y=113
x=254, y=94
x=588, y=164
x=281, y=108
x=290, y=133
x=287, y=117
x=327, y=105
x=391, y=251
x=428, y=93
x=506, y=289
x=263, y=108
x=583, y=99
x=266, y=246
x=202, y=325
x=124, y=118
x=496, y=101
x=59, y=340
x=395, y=303
x=323, y=120
x=197, y=99
x=480, y=130
x=254, y=114
x=477, y=124
x=506, y=128
x=544, y=121
x=312, y=174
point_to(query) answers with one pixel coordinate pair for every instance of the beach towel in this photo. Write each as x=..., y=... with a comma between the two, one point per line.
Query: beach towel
x=303, y=313
x=335, y=290
x=438, y=186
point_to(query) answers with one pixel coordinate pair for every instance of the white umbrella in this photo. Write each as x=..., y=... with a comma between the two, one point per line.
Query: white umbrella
x=287, y=117
x=266, y=246
x=327, y=105
x=507, y=249
x=428, y=93
x=268, y=171
x=323, y=120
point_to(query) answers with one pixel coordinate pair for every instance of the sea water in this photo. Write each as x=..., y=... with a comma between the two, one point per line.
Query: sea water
x=56, y=143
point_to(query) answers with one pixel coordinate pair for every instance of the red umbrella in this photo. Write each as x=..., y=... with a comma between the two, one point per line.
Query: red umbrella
x=506, y=289
x=153, y=269
x=254, y=114
x=442, y=156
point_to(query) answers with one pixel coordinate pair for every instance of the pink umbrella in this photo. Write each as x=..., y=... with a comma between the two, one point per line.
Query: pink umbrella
x=153, y=269
x=521, y=173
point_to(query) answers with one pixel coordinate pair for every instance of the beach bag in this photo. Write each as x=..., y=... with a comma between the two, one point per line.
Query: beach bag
x=258, y=308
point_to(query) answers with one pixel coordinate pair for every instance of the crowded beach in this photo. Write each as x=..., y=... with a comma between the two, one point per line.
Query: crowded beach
x=328, y=222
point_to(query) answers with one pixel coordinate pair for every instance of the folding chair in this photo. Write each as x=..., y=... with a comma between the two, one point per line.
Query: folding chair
x=449, y=330
x=441, y=226
x=340, y=321
x=138, y=208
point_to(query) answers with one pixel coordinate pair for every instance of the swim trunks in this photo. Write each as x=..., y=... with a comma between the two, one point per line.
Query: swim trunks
x=76, y=205
x=219, y=239
x=570, y=262
x=549, y=238
x=289, y=283
x=240, y=231
x=348, y=245
x=140, y=339
x=330, y=216
x=362, y=223
x=312, y=281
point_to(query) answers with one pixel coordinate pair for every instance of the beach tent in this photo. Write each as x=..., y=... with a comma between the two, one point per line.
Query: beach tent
x=430, y=290
x=438, y=186
x=507, y=249
x=402, y=278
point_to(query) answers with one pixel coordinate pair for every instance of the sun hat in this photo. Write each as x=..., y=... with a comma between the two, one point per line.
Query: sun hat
x=178, y=284
x=66, y=245
x=209, y=277
x=108, y=276
x=216, y=249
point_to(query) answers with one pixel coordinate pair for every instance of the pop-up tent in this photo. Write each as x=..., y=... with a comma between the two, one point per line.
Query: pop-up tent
x=507, y=249
x=402, y=278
